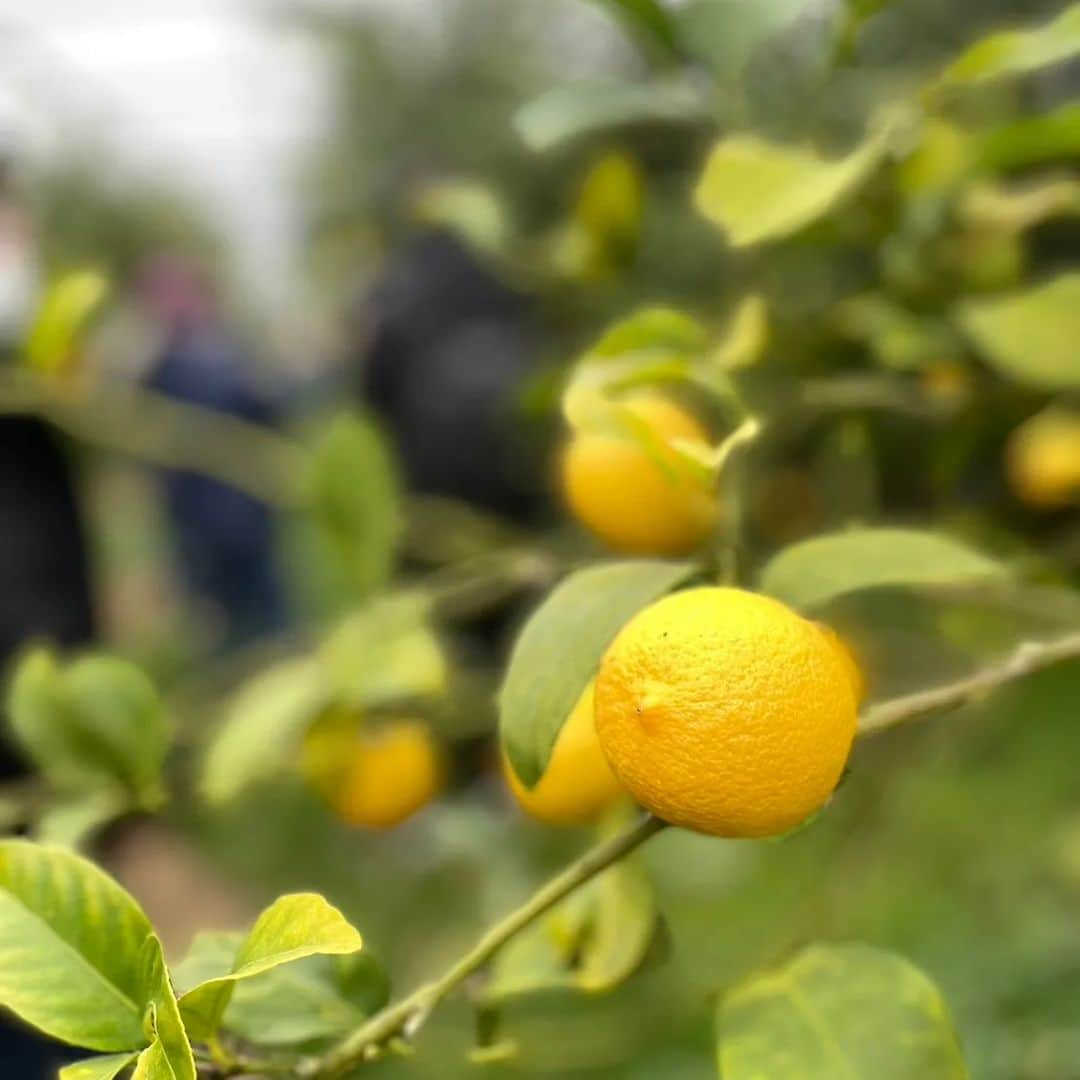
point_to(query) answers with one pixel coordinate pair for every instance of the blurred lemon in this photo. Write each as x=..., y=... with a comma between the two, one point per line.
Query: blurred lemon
x=578, y=784
x=374, y=777
x=1042, y=459
x=640, y=501
x=726, y=712
x=946, y=382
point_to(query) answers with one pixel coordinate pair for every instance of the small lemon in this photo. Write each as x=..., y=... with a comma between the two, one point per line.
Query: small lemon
x=636, y=501
x=1042, y=459
x=726, y=712
x=578, y=784
x=374, y=777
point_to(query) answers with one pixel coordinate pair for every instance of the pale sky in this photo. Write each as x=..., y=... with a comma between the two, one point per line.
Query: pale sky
x=211, y=94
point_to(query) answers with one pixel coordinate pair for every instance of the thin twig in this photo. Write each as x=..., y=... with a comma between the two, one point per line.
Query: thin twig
x=406, y=1016
x=148, y=425
x=1027, y=659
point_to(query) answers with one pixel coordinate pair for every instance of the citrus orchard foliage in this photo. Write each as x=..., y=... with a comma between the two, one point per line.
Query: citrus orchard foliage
x=713, y=691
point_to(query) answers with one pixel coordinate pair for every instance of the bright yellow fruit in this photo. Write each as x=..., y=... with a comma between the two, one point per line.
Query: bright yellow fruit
x=847, y=654
x=725, y=712
x=1042, y=458
x=636, y=501
x=578, y=784
x=375, y=777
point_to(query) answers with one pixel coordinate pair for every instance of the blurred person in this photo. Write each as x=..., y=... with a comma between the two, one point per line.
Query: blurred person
x=44, y=570
x=449, y=347
x=224, y=537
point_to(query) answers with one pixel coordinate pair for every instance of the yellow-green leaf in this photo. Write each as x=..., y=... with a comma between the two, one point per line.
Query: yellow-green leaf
x=263, y=725
x=72, y=942
x=94, y=723
x=97, y=1068
x=812, y=572
x=840, y=1012
x=1014, y=52
x=293, y=927
x=559, y=650
x=1030, y=336
x=758, y=191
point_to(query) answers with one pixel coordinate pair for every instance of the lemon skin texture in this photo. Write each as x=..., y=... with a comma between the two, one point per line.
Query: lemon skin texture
x=636, y=501
x=578, y=785
x=725, y=712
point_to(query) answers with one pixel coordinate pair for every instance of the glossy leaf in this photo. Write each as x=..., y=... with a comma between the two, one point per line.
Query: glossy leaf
x=758, y=191
x=293, y=927
x=105, y=1067
x=1014, y=52
x=812, y=572
x=317, y=997
x=577, y=109
x=71, y=948
x=353, y=494
x=263, y=725
x=96, y=722
x=1030, y=336
x=560, y=647
x=838, y=1011
x=169, y=1055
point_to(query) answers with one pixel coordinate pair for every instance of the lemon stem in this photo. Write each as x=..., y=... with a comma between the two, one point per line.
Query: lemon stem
x=1026, y=660
x=406, y=1017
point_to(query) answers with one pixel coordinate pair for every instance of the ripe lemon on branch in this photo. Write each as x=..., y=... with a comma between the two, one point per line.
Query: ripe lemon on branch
x=578, y=784
x=1042, y=459
x=375, y=776
x=726, y=712
x=636, y=498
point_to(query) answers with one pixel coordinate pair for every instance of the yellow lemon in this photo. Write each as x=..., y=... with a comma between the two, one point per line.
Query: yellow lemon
x=725, y=712
x=578, y=784
x=634, y=500
x=374, y=777
x=847, y=654
x=1042, y=458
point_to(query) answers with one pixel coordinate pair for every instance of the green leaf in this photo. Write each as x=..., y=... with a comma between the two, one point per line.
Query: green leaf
x=812, y=572
x=726, y=33
x=384, y=653
x=293, y=927
x=97, y=1068
x=72, y=949
x=169, y=1056
x=560, y=647
x=840, y=1011
x=72, y=824
x=317, y=998
x=650, y=333
x=1014, y=52
x=354, y=496
x=649, y=22
x=757, y=190
x=314, y=998
x=1032, y=140
x=264, y=723
x=62, y=318
x=576, y=109
x=1030, y=336
x=593, y=941
x=96, y=722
